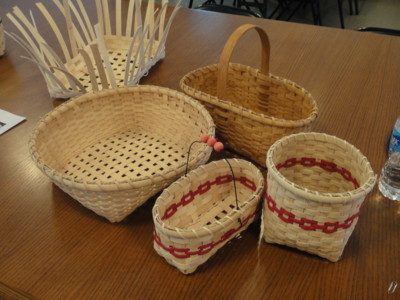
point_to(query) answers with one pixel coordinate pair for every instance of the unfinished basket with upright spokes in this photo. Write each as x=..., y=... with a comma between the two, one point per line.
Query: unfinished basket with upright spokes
x=315, y=187
x=199, y=213
x=251, y=108
x=112, y=150
x=109, y=54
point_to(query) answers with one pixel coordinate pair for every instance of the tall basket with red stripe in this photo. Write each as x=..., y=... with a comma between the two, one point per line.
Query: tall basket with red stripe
x=199, y=213
x=315, y=187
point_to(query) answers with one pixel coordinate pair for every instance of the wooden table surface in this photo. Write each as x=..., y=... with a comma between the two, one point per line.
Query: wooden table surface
x=51, y=247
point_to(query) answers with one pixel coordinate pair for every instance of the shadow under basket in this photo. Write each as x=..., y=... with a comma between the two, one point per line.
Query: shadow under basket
x=113, y=150
x=316, y=184
x=199, y=213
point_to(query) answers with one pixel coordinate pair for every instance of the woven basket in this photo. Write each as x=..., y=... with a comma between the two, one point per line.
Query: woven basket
x=112, y=150
x=2, y=39
x=198, y=214
x=316, y=185
x=109, y=54
x=251, y=108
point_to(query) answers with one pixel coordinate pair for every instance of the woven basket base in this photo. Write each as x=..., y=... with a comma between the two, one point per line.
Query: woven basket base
x=216, y=211
x=117, y=53
x=125, y=156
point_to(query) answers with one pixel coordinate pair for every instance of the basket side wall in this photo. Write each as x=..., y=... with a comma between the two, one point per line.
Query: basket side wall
x=326, y=245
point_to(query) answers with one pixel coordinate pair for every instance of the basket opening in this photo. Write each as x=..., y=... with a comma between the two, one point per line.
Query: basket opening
x=321, y=163
x=210, y=202
x=268, y=95
x=318, y=175
x=121, y=135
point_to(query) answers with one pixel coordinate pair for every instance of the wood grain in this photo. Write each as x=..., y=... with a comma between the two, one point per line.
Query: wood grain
x=10, y=293
x=53, y=248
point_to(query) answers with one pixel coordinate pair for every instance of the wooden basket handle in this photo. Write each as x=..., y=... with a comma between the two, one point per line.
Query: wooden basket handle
x=222, y=79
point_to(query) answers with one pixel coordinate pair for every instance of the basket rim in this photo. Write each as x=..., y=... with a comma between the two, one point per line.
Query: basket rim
x=126, y=184
x=227, y=220
x=321, y=197
x=255, y=116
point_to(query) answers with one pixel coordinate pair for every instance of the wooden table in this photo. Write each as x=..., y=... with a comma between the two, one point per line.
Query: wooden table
x=51, y=247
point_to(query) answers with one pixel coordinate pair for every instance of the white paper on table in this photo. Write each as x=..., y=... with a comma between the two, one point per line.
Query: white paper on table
x=8, y=120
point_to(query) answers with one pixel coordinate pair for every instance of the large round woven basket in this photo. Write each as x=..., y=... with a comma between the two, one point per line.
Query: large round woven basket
x=251, y=108
x=199, y=213
x=112, y=150
x=316, y=184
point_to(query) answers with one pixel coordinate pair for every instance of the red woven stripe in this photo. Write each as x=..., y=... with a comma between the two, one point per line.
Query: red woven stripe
x=323, y=164
x=203, y=249
x=304, y=223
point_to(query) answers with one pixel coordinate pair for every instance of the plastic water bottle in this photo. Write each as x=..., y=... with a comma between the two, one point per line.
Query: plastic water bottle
x=389, y=182
x=394, y=143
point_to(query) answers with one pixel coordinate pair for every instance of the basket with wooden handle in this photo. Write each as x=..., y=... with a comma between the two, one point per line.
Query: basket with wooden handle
x=316, y=184
x=251, y=108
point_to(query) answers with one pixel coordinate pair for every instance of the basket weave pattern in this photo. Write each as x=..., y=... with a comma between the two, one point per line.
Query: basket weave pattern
x=113, y=150
x=253, y=108
x=316, y=185
x=198, y=214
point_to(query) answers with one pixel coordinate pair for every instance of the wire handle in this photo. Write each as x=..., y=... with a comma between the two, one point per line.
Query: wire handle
x=218, y=146
x=187, y=162
x=234, y=187
x=210, y=141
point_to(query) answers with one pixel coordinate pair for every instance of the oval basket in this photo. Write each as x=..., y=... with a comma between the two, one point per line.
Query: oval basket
x=316, y=184
x=251, y=108
x=112, y=150
x=199, y=213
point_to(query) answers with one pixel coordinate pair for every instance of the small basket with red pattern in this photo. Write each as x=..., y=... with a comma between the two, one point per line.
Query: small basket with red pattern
x=201, y=212
x=316, y=184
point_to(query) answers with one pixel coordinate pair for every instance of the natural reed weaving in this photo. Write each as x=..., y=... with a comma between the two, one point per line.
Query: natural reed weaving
x=199, y=213
x=109, y=54
x=316, y=184
x=251, y=108
x=112, y=150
